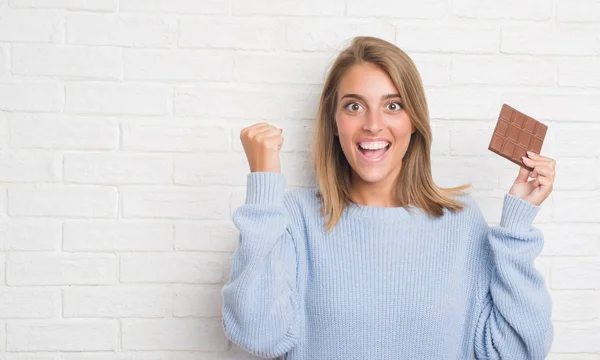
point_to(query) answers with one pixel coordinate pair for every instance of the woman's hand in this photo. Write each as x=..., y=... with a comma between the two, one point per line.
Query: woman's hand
x=262, y=143
x=537, y=190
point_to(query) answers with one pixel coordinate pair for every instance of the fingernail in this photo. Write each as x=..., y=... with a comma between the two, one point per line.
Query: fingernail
x=525, y=158
x=530, y=153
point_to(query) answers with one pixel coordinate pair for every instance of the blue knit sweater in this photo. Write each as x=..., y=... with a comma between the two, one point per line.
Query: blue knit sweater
x=385, y=283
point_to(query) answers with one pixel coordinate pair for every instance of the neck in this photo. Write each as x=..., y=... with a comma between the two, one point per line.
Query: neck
x=379, y=193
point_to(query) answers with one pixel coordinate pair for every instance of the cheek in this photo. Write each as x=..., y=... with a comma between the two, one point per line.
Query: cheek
x=402, y=128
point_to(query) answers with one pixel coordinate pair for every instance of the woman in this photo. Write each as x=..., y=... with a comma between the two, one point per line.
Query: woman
x=378, y=262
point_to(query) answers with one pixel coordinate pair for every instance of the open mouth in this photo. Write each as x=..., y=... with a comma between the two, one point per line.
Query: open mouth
x=373, y=154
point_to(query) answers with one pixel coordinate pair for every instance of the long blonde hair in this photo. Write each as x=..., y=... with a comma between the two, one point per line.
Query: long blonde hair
x=414, y=185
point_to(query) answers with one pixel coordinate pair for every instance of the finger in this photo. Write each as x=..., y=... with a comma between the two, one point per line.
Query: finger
x=274, y=142
x=253, y=129
x=530, y=162
x=267, y=133
x=544, y=181
x=538, y=157
x=544, y=170
x=523, y=175
x=534, y=174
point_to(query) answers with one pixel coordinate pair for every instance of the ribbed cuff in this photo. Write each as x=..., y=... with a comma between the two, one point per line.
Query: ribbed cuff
x=265, y=188
x=518, y=214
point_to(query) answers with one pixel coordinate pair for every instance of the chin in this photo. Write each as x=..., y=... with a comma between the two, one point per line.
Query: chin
x=372, y=176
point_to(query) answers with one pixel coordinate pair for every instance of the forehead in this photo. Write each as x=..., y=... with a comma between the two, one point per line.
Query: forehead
x=366, y=79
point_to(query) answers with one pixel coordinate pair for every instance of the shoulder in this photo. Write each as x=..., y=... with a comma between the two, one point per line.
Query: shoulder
x=301, y=198
x=471, y=216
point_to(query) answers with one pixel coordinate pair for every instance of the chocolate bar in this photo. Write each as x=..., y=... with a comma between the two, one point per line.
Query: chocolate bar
x=515, y=134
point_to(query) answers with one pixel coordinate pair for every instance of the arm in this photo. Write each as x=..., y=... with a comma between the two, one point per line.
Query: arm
x=260, y=299
x=515, y=313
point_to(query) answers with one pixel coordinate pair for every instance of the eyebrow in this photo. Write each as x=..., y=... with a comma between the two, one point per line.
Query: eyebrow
x=384, y=97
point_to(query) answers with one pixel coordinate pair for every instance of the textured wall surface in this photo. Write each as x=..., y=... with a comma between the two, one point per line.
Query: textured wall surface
x=120, y=159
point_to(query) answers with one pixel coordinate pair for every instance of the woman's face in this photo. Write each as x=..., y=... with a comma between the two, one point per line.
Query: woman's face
x=373, y=128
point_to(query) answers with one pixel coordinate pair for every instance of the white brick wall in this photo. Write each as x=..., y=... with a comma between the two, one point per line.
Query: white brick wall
x=120, y=160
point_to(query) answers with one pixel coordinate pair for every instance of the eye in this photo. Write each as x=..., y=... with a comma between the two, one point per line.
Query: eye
x=351, y=103
x=398, y=106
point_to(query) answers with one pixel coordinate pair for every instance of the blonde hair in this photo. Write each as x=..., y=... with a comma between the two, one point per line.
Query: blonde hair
x=414, y=185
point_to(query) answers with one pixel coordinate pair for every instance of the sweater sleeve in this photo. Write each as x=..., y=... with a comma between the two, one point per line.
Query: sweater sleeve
x=260, y=299
x=514, y=319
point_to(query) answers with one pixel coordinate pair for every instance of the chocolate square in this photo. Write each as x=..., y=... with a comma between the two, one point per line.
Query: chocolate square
x=515, y=134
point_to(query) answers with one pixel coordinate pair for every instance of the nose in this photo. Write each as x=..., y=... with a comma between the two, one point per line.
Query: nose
x=373, y=122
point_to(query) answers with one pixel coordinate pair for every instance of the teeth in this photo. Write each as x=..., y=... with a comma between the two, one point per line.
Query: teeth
x=374, y=145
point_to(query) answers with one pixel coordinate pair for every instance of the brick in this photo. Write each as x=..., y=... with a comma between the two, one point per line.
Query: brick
x=63, y=132
x=576, y=273
x=70, y=62
x=176, y=203
x=3, y=335
x=576, y=206
x=198, y=300
x=478, y=133
x=3, y=130
x=231, y=33
x=173, y=334
x=61, y=335
x=463, y=103
x=549, y=40
x=441, y=138
x=266, y=103
x=314, y=34
x=579, y=11
x=3, y=202
x=112, y=236
x=521, y=10
x=130, y=31
x=208, y=169
x=24, y=25
x=60, y=269
x=576, y=337
x=486, y=70
x=206, y=236
x=98, y=5
x=205, y=7
x=575, y=305
x=4, y=63
x=27, y=303
x=434, y=70
x=457, y=171
x=63, y=201
x=433, y=9
x=117, y=302
x=276, y=68
x=555, y=106
x=294, y=8
x=30, y=234
x=191, y=268
x=117, y=168
x=577, y=174
x=29, y=166
x=174, y=135
x=297, y=135
x=112, y=98
x=297, y=169
x=579, y=73
x=128, y=355
x=185, y=65
x=448, y=39
x=568, y=240
x=17, y=96
x=576, y=140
